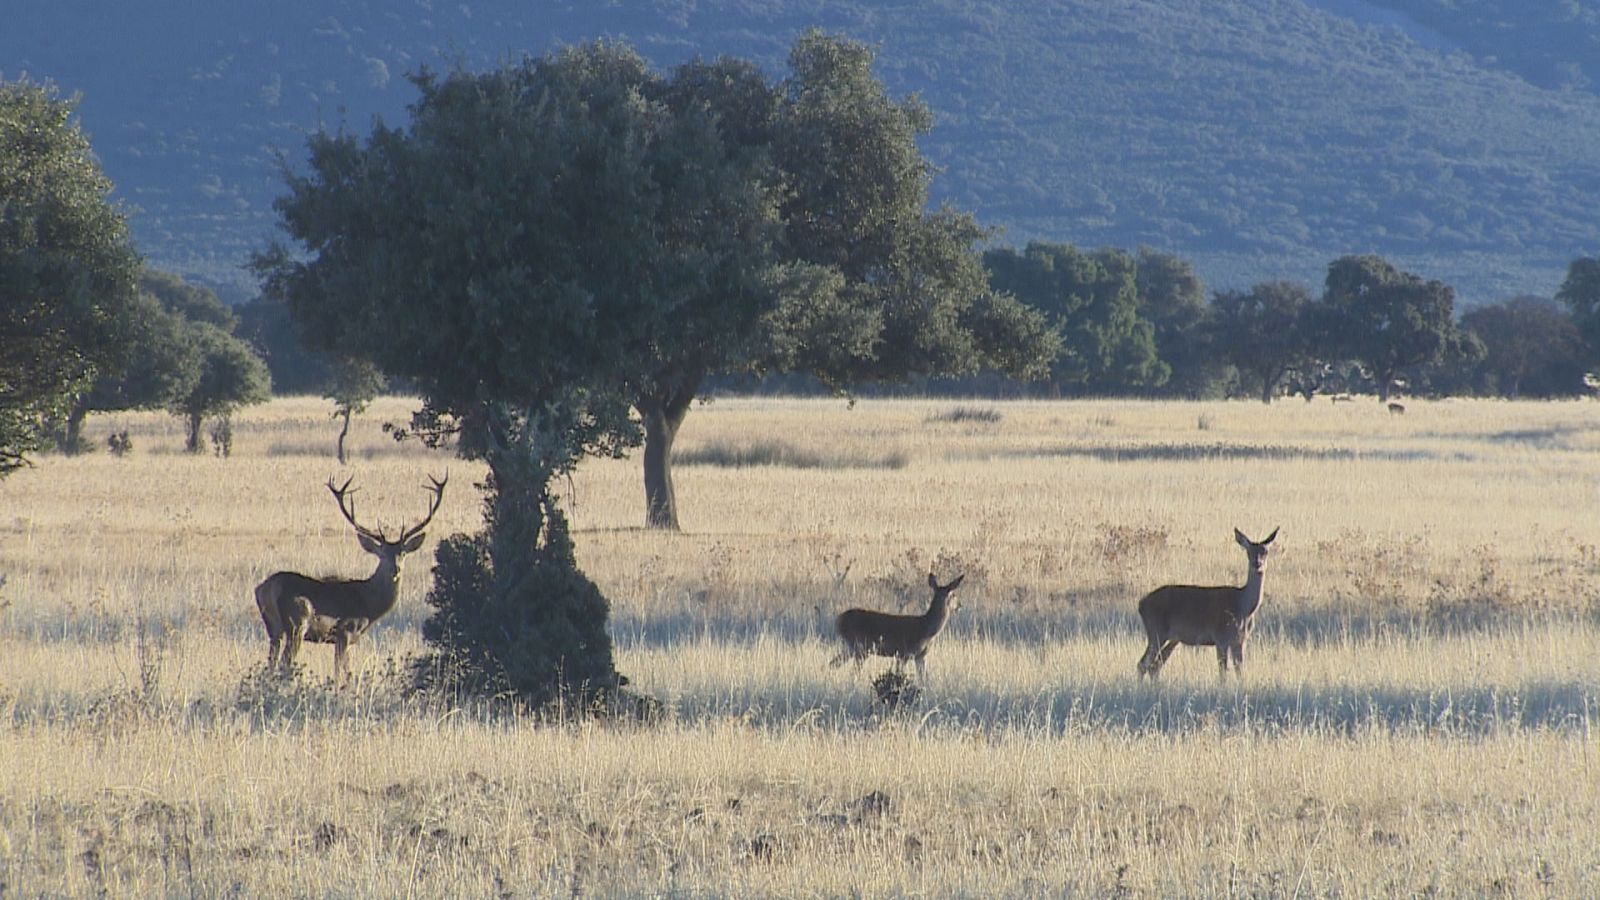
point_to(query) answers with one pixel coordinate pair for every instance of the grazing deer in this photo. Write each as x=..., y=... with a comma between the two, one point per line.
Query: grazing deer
x=1204, y=616
x=337, y=611
x=1397, y=409
x=869, y=633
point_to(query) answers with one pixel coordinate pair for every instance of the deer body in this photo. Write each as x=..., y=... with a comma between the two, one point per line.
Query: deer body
x=867, y=632
x=1204, y=616
x=297, y=608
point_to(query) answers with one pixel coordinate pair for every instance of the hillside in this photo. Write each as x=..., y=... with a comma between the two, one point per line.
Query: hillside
x=1261, y=138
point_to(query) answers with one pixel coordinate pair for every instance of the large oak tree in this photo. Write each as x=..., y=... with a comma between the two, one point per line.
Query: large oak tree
x=67, y=268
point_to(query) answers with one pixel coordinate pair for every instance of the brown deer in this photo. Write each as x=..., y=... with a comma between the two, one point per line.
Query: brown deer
x=1204, y=616
x=337, y=611
x=866, y=632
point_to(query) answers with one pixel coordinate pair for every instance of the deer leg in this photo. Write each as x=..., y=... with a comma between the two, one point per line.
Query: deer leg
x=922, y=667
x=1238, y=659
x=1147, y=662
x=295, y=624
x=341, y=643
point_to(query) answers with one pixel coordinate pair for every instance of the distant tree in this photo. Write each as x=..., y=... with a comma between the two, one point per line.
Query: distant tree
x=1092, y=299
x=192, y=302
x=1173, y=298
x=1387, y=319
x=296, y=369
x=1580, y=293
x=354, y=384
x=67, y=268
x=230, y=376
x=1260, y=331
x=161, y=358
x=1531, y=347
x=162, y=364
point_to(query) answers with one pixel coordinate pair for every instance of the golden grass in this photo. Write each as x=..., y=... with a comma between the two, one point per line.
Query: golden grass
x=1417, y=714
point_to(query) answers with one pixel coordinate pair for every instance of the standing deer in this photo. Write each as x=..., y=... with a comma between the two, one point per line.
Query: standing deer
x=297, y=607
x=1204, y=616
x=869, y=633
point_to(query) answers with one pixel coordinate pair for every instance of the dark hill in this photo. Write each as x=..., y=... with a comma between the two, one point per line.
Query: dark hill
x=1261, y=138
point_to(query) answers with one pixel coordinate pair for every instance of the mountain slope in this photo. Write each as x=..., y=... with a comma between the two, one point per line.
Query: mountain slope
x=1261, y=138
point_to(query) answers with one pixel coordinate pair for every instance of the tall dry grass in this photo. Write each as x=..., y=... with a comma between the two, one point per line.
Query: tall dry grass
x=1417, y=714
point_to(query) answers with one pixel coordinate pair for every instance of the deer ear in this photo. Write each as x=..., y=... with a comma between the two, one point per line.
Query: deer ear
x=956, y=583
x=415, y=542
x=1269, y=537
x=932, y=581
x=1239, y=536
x=368, y=544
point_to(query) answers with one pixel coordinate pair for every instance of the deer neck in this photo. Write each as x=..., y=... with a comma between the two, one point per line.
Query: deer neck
x=938, y=613
x=1249, y=595
x=382, y=587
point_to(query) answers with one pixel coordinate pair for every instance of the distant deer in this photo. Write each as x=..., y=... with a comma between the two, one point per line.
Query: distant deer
x=1397, y=409
x=869, y=633
x=1204, y=616
x=297, y=607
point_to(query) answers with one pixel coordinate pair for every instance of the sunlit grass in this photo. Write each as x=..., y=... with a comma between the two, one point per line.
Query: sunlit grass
x=1417, y=712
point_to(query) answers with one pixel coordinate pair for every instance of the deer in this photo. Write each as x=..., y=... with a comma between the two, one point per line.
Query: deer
x=338, y=611
x=1204, y=616
x=867, y=632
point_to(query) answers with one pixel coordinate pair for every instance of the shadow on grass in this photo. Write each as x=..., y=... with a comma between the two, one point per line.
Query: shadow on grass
x=1197, y=452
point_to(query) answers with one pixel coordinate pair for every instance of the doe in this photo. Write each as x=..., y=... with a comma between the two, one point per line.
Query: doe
x=1204, y=616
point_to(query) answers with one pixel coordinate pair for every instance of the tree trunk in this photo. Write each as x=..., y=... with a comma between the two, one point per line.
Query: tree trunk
x=662, y=414
x=1269, y=383
x=72, y=441
x=1385, y=382
x=195, y=420
x=345, y=415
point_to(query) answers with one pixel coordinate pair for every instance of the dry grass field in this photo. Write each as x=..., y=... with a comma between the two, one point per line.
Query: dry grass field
x=1417, y=715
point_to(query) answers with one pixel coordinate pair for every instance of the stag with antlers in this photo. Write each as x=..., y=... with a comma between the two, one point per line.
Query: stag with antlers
x=337, y=611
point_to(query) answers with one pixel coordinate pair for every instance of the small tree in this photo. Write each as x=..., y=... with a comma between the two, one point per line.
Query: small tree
x=67, y=268
x=354, y=384
x=1260, y=332
x=230, y=376
x=1387, y=319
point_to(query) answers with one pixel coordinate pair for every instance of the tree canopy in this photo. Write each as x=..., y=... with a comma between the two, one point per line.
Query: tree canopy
x=1261, y=333
x=67, y=268
x=1385, y=318
x=1092, y=299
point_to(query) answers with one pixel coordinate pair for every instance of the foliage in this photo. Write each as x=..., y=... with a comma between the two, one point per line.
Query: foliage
x=1173, y=298
x=817, y=252
x=1092, y=299
x=67, y=268
x=1532, y=348
x=1261, y=332
x=1580, y=293
x=296, y=369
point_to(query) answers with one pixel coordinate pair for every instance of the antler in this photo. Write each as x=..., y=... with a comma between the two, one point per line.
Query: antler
x=433, y=506
x=350, y=511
